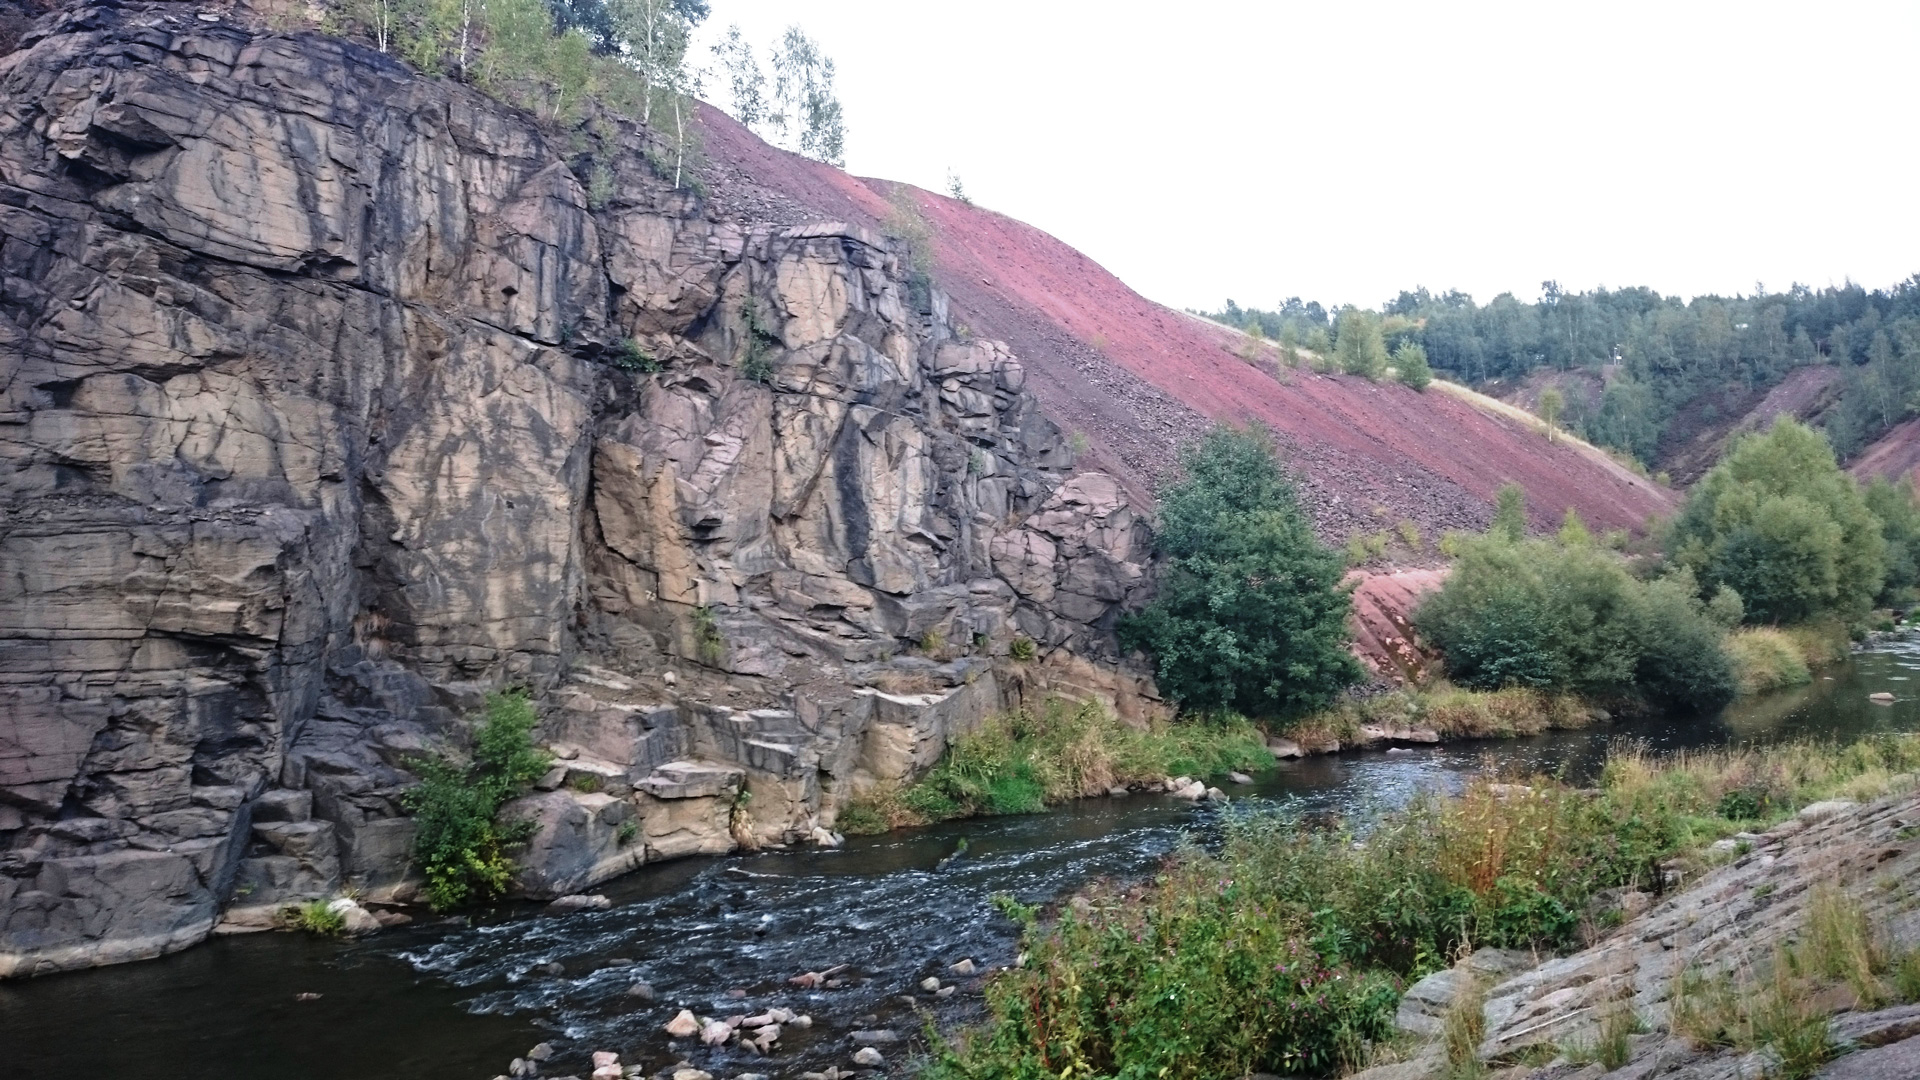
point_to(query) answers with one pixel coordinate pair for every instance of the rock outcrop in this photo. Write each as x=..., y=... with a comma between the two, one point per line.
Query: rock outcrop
x=330, y=401
x=1728, y=923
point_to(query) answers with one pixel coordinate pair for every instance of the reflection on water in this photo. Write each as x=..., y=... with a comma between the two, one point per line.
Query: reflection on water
x=721, y=936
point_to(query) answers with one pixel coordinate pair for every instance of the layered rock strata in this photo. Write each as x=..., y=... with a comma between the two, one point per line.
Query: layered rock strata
x=329, y=401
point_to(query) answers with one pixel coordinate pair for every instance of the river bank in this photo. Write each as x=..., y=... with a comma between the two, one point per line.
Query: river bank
x=466, y=997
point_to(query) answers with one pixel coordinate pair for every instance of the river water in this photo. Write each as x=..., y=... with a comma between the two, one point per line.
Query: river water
x=721, y=936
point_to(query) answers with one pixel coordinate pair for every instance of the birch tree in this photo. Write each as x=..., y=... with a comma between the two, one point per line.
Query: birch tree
x=807, y=113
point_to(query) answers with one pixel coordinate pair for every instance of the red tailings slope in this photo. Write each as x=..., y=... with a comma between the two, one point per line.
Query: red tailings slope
x=1138, y=380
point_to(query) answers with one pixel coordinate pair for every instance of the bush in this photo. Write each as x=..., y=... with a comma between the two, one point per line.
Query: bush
x=1779, y=523
x=1251, y=616
x=1571, y=618
x=459, y=845
x=1899, y=518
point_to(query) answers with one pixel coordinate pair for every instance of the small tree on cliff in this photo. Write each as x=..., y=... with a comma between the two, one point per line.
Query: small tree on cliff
x=459, y=843
x=1251, y=615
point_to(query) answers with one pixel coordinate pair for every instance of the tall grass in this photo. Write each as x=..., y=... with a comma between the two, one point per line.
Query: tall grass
x=1448, y=711
x=1766, y=658
x=1024, y=762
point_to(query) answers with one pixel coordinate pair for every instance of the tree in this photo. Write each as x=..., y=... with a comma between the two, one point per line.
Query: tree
x=1551, y=403
x=1780, y=524
x=1251, y=616
x=745, y=83
x=1893, y=503
x=956, y=189
x=1410, y=365
x=1359, y=348
x=806, y=113
x=1510, y=514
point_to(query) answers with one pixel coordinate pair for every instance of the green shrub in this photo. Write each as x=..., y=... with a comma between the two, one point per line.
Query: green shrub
x=459, y=844
x=1023, y=649
x=708, y=646
x=1538, y=614
x=1251, y=616
x=630, y=357
x=760, y=344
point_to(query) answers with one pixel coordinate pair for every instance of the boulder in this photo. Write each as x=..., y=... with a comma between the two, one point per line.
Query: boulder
x=683, y=1025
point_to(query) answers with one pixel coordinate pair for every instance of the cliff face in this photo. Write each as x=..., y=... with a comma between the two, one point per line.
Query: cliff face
x=327, y=404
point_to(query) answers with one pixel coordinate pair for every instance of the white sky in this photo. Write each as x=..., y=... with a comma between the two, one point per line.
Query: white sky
x=1342, y=151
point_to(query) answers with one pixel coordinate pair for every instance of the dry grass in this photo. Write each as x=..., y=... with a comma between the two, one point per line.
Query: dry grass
x=1451, y=712
x=1462, y=1030
x=905, y=683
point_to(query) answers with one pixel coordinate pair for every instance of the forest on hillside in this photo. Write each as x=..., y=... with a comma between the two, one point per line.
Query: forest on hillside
x=1656, y=356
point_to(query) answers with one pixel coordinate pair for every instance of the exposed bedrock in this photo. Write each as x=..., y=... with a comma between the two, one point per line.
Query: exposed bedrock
x=318, y=419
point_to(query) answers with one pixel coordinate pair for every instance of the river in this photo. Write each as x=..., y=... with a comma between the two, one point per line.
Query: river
x=721, y=935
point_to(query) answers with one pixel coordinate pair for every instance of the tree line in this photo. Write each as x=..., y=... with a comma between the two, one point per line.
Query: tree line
x=1659, y=357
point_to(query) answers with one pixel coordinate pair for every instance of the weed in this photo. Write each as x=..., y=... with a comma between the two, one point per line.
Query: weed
x=315, y=917
x=600, y=186
x=628, y=831
x=586, y=783
x=761, y=342
x=630, y=357
x=1613, y=1045
x=1079, y=443
x=933, y=643
x=1023, y=650
x=1840, y=944
x=1409, y=534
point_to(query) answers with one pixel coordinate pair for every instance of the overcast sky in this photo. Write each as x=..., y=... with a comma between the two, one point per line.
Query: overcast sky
x=1342, y=151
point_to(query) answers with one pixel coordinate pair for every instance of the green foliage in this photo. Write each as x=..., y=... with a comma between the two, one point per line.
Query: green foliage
x=806, y=116
x=1571, y=618
x=760, y=343
x=1023, y=649
x=906, y=223
x=1410, y=365
x=1552, y=404
x=1409, y=535
x=1899, y=518
x=630, y=357
x=708, y=646
x=1359, y=349
x=459, y=845
x=1765, y=659
x=1779, y=523
x=1251, y=616
x=1510, y=514
x=1573, y=531
x=315, y=917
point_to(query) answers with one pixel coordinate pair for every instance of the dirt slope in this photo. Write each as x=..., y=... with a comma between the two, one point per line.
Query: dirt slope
x=1893, y=455
x=1138, y=379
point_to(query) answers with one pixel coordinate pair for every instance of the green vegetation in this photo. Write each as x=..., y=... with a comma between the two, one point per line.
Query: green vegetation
x=1359, y=349
x=708, y=646
x=1571, y=618
x=1023, y=763
x=1765, y=658
x=1284, y=952
x=1552, y=403
x=460, y=845
x=1780, y=524
x=315, y=917
x=802, y=112
x=760, y=342
x=630, y=357
x=1447, y=711
x=1023, y=649
x=1899, y=518
x=1251, y=616
x=1410, y=365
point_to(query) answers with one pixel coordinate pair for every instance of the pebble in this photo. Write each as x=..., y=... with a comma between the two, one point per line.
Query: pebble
x=944, y=992
x=1117, y=791
x=1240, y=778
x=541, y=1052
x=641, y=990
x=881, y=1036
x=867, y=1055
x=683, y=1025
x=929, y=984
x=964, y=967
x=716, y=1032
x=692, y=1074
x=605, y=1057
x=800, y=1022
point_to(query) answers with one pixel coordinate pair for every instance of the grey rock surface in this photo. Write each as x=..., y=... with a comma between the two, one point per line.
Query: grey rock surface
x=311, y=433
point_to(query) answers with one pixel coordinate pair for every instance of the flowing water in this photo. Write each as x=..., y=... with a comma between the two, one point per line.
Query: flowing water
x=721, y=936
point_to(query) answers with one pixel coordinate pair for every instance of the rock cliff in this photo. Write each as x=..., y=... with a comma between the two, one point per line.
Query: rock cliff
x=329, y=400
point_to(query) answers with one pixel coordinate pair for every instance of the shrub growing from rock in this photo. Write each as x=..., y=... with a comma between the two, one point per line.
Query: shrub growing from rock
x=460, y=845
